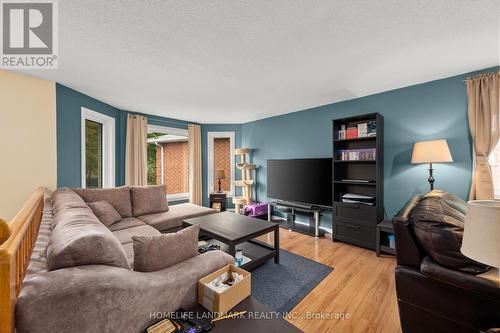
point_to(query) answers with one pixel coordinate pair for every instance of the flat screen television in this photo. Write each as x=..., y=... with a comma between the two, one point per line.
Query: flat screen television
x=304, y=181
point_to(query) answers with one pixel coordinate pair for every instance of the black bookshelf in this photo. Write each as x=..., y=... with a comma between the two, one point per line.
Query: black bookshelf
x=356, y=223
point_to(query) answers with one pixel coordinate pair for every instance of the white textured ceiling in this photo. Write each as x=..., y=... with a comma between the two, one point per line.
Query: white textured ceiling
x=232, y=61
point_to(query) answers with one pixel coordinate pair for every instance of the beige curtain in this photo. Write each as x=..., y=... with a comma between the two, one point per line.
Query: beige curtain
x=195, y=181
x=136, y=169
x=483, y=97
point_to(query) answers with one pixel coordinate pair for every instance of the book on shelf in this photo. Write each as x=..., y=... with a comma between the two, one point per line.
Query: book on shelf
x=358, y=154
x=352, y=132
x=362, y=130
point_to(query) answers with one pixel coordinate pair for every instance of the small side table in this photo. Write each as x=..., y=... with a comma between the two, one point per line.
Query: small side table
x=383, y=229
x=220, y=199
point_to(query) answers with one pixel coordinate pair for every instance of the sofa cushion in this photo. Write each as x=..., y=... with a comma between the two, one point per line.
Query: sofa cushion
x=128, y=222
x=175, y=215
x=79, y=238
x=153, y=253
x=148, y=199
x=438, y=221
x=404, y=213
x=105, y=212
x=129, y=252
x=119, y=197
x=125, y=235
x=65, y=198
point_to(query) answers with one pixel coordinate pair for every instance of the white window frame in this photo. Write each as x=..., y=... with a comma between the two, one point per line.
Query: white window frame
x=211, y=136
x=108, y=146
x=173, y=131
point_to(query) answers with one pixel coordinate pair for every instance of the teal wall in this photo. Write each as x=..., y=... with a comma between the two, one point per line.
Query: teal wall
x=436, y=109
x=69, y=103
x=236, y=128
x=432, y=110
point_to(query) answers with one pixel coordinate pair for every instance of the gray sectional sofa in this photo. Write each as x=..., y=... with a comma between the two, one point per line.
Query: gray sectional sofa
x=81, y=277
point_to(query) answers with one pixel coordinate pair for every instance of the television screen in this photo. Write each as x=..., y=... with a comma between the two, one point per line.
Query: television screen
x=307, y=181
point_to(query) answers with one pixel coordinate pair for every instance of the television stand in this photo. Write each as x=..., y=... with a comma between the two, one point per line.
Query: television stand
x=292, y=210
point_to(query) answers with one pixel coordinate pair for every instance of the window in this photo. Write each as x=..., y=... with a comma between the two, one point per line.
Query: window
x=494, y=160
x=98, y=149
x=221, y=157
x=93, y=151
x=168, y=160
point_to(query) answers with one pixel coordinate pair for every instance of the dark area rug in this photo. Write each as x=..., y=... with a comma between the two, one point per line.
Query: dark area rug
x=283, y=286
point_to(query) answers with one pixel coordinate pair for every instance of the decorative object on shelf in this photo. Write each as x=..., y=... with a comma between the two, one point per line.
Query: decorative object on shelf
x=218, y=201
x=371, y=128
x=342, y=132
x=219, y=174
x=481, y=240
x=433, y=151
x=357, y=191
x=246, y=182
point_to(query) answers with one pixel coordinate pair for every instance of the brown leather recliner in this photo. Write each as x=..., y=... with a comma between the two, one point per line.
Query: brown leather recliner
x=435, y=298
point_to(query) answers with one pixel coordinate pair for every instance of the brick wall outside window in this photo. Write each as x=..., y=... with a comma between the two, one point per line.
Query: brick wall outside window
x=175, y=162
x=222, y=160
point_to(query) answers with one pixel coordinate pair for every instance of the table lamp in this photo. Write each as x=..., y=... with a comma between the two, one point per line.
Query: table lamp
x=219, y=174
x=433, y=151
x=481, y=240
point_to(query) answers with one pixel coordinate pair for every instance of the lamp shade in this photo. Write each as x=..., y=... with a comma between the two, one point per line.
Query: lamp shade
x=434, y=151
x=219, y=174
x=481, y=240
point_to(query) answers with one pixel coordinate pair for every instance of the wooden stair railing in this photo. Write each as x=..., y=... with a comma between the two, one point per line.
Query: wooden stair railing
x=17, y=240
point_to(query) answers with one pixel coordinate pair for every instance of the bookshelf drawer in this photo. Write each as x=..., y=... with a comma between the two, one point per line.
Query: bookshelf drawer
x=354, y=234
x=361, y=222
x=355, y=211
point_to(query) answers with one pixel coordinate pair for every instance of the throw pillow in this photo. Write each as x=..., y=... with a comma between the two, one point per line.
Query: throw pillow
x=105, y=212
x=149, y=199
x=153, y=253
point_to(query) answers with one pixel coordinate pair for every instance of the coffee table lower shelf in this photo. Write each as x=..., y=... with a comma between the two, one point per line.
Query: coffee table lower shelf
x=257, y=251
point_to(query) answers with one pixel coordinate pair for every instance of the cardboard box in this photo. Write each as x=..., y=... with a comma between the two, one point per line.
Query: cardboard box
x=227, y=299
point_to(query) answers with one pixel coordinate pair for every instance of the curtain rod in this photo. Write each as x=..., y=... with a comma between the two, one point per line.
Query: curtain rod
x=480, y=75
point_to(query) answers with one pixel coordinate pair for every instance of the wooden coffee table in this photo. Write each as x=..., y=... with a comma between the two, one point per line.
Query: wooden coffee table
x=237, y=232
x=258, y=318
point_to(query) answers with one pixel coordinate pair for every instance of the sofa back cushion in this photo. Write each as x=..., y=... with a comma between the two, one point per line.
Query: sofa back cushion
x=149, y=199
x=64, y=198
x=119, y=197
x=105, y=212
x=79, y=238
x=438, y=221
x=153, y=253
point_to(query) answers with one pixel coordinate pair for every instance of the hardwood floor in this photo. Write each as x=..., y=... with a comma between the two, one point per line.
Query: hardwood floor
x=361, y=285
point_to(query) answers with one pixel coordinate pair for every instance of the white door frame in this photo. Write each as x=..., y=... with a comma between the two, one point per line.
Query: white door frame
x=211, y=136
x=108, y=146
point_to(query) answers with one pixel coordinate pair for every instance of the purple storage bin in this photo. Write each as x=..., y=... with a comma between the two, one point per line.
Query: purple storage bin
x=255, y=209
